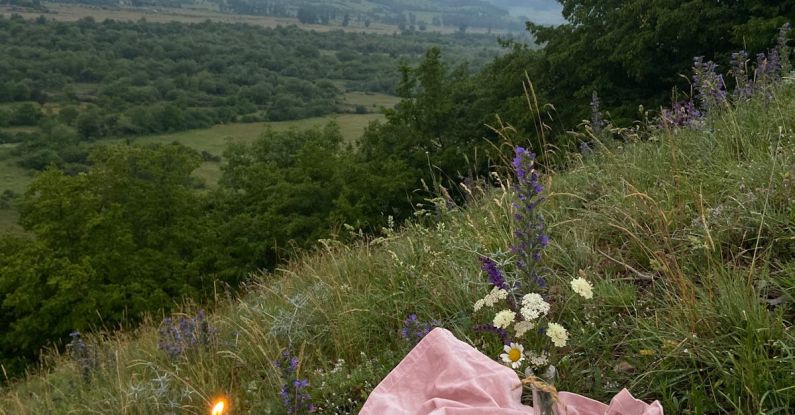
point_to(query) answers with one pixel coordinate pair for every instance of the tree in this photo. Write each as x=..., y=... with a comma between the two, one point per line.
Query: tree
x=633, y=52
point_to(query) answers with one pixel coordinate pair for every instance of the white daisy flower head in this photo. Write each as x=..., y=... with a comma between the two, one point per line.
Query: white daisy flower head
x=558, y=334
x=504, y=318
x=514, y=355
x=582, y=287
x=523, y=327
x=538, y=359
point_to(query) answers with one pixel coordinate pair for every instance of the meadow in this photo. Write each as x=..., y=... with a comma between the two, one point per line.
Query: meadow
x=65, y=12
x=685, y=233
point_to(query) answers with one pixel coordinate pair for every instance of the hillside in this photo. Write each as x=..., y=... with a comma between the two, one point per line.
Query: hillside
x=686, y=233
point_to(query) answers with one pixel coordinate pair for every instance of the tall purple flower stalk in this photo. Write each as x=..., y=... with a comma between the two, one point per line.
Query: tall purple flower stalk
x=295, y=398
x=183, y=335
x=529, y=234
x=709, y=85
x=495, y=275
x=782, y=48
x=744, y=87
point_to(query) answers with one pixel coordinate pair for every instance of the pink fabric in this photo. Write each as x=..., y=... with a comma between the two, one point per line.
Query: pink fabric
x=445, y=376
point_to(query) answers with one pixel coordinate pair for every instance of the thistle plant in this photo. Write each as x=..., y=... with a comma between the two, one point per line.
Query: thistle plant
x=294, y=394
x=517, y=303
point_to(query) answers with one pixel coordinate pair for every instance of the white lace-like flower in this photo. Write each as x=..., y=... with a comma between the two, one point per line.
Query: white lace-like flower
x=538, y=360
x=514, y=355
x=479, y=304
x=582, y=287
x=534, y=306
x=494, y=296
x=504, y=318
x=558, y=334
x=523, y=327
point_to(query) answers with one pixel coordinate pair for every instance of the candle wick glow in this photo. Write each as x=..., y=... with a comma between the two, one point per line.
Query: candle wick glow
x=218, y=408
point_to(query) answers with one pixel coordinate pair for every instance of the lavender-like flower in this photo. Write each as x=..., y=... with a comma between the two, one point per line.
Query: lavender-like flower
x=709, y=85
x=682, y=114
x=744, y=88
x=295, y=398
x=529, y=236
x=415, y=330
x=185, y=335
x=495, y=275
x=488, y=328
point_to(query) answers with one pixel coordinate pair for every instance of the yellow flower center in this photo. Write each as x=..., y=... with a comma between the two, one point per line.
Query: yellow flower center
x=514, y=355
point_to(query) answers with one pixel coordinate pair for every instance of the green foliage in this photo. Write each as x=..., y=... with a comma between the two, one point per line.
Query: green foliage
x=633, y=53
x=121, y=240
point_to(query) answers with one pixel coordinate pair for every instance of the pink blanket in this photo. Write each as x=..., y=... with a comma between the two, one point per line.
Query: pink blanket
x=445, y=376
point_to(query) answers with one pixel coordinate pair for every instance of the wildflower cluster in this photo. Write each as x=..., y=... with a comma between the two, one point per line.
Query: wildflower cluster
x=294, y=393
x=414, y=330
x=682, y=114
x=709, y=85
x=519, y=306
x=183, y=335
x=84, y=354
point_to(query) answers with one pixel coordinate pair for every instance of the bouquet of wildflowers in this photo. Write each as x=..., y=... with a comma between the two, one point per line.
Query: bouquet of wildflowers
x=517, y=306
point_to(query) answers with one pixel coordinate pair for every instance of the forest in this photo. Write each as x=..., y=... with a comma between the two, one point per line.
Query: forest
x=113, y=232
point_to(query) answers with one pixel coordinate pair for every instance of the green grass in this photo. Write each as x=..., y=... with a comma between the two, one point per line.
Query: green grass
x=687, y=237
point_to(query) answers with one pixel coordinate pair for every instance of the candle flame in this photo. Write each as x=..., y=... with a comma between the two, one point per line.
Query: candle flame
x=218, y=408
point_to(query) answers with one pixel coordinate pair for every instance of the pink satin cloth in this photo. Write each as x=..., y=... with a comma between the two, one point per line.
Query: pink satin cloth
x=445, y=376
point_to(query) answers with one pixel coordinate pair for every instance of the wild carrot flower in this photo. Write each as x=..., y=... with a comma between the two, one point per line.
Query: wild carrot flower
x=514, y=355
x=538, y=359
x=534, y=306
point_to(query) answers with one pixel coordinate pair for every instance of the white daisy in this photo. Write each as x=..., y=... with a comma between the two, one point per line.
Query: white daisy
x=514, y=355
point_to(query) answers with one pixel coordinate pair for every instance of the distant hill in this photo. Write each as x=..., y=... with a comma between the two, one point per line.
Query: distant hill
x=406, y=14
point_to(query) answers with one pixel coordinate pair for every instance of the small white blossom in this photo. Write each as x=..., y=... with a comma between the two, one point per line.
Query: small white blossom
x=558, y=334
x=514, y=355
x=523, y=327
x=504, y=318
x=479, y=304
x=534, y=306
x=494, y=296
x=538, y=360
x=582, y=287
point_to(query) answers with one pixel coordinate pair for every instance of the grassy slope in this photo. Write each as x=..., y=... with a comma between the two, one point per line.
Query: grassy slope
x=688, y=238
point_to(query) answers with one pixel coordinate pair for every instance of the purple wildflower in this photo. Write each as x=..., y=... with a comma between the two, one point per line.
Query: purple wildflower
x=709, y=85
x=529, y=236
x=782, y=48
x=495, y=276
x=682, y=114
x=185, y=335
x=414, y=330
x=295, y=398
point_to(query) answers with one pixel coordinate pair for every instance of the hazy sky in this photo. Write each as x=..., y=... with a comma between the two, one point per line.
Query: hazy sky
x=539, y=11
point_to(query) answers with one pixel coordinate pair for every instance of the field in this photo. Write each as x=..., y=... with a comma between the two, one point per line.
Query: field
x=74, y=12
x=212, y=140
